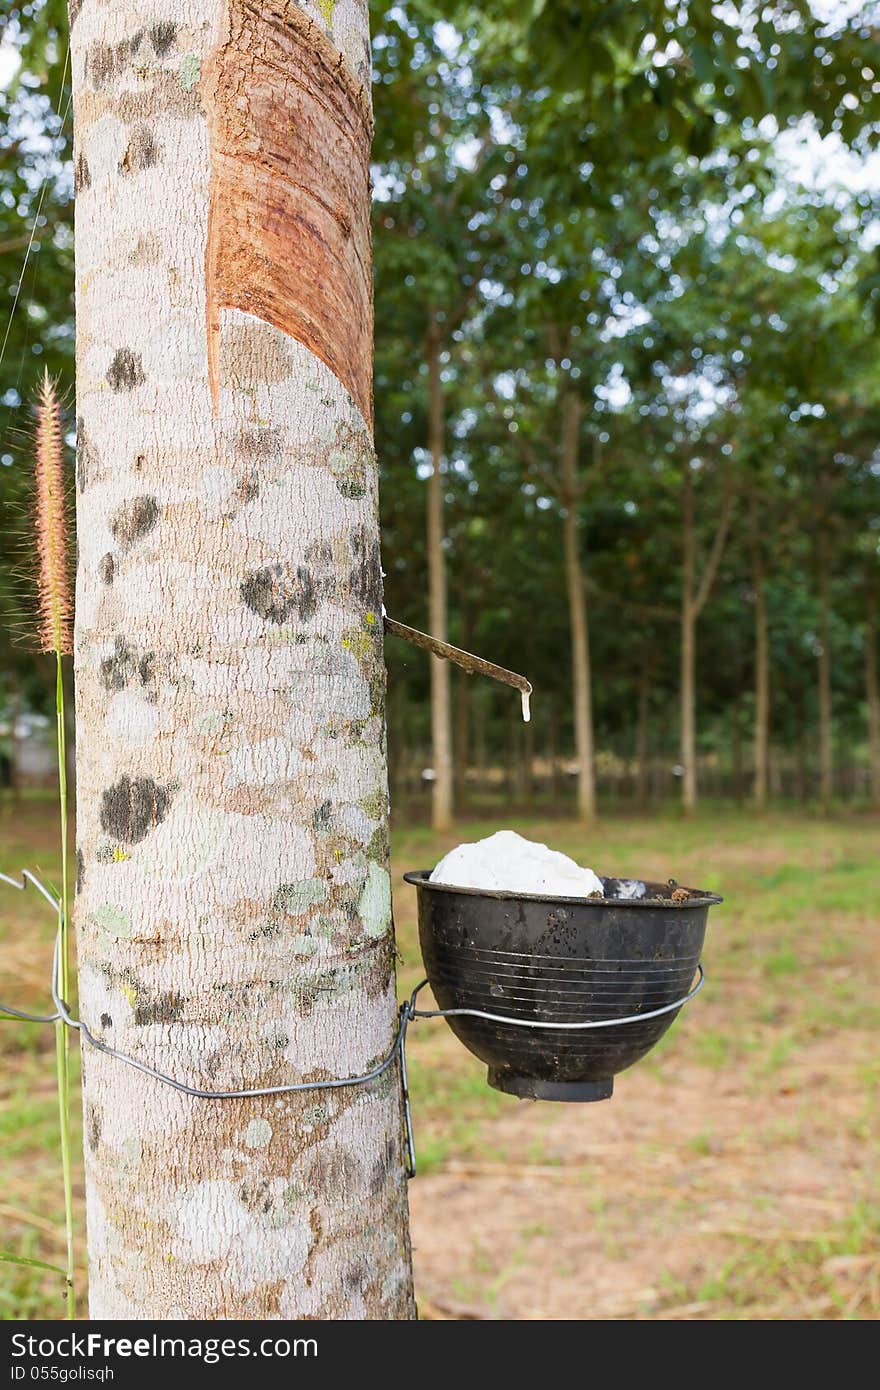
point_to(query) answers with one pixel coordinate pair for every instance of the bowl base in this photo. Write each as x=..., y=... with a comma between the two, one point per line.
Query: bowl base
x=530, y=1088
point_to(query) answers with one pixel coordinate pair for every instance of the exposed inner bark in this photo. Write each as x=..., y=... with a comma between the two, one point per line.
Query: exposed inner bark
x=289, y=229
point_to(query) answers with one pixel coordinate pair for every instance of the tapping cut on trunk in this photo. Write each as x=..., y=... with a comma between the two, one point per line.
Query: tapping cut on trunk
x=289, y=231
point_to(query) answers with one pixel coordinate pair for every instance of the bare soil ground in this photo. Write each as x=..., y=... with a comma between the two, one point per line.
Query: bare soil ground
x=733, y=1174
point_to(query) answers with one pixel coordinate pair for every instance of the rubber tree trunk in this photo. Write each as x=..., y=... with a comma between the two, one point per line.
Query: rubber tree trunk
x=463, y=688
x=762, y=667
x=528, y=757
x=233, y=907
x=552, y=753
x=688, y=751
x=642, y=736
x=736, y=740
x=872, y=698
x=572, y=410
x=481, y=751
x=441, y=702
x=826, y=730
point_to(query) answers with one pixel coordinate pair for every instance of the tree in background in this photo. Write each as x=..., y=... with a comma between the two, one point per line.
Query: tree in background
x=497, y=126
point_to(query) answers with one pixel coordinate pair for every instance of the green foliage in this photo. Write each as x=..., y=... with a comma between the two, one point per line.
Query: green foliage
x=579, y=196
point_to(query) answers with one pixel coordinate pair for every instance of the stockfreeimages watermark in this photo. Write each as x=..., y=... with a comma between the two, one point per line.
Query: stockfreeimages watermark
x=96, y=1346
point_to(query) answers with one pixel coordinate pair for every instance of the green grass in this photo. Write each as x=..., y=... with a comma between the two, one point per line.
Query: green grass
x=790, y=961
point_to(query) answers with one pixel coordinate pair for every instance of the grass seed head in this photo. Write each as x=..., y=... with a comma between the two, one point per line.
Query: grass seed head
x=52, y=528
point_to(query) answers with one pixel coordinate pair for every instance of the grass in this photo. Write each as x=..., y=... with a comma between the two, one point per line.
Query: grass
x=712, y=1154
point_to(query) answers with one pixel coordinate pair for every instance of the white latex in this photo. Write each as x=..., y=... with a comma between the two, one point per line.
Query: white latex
x=507, y=862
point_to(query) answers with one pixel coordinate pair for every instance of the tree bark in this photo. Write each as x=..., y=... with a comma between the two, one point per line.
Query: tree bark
x=642, y=736
x=481, y=751
x=461, y=742
x=233, y=907
x=737, y=769
x=553, y=753
x=528, y=754
x=693, y=601
x=762, y=666
x=826, y=729
x=688, y=751
x=872, y=696
x=441, y=705
x=572, y=410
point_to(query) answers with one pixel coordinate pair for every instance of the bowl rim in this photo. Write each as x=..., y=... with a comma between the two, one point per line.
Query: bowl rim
x=698, y=897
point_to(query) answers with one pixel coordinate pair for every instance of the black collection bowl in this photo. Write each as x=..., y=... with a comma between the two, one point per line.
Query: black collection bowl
x=560, y=960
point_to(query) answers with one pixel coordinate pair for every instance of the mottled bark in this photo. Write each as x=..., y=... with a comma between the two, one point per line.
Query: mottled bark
x=441, y=703
x=233, y=907
x=872, y=699
x=572, y=410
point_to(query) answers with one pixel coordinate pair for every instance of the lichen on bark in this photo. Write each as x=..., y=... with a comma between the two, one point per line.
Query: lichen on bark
x=233, y=908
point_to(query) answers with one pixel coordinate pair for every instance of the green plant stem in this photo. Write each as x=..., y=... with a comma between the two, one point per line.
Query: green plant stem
x=62, y=1041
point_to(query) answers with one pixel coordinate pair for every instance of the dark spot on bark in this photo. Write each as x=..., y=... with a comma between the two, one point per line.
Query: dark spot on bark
x=142, y=151
x=268, y=930
x=100, y=65
x=334, y=1169
x=357, y=1276
x=93, y=1128
x=162, y=36
x=117, y=670
x=382, y=1167
x=81, y=176
x=107, y=568
x=139, y=463
x=104, y=61
x=256, y=1195
x=73, y=9
x=132, y=807
x=377, y=690
x=365, y=577
x=276, y=592
x=86, y=457
x=80, y=871
x=379, y=846
x=106, y=1021
x=322, y=817
x=134, y=520
x=255, y=442
x=248, y=488
x=351, y=488
x=125, y=371
x=164, y=1008
x=126, y=665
